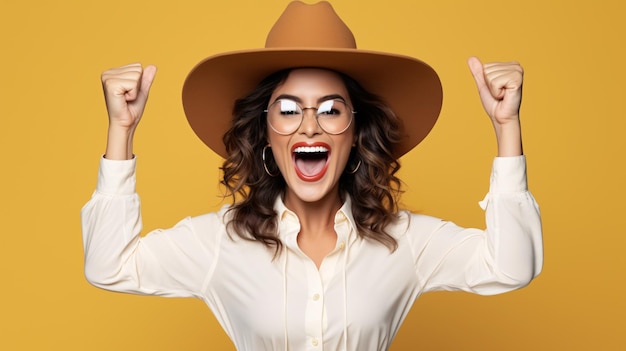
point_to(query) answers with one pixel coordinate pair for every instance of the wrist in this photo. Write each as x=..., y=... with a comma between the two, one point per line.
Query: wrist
x=509, y=138
x=119, y=143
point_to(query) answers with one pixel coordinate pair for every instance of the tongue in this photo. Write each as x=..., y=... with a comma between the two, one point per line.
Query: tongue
x=310, y=166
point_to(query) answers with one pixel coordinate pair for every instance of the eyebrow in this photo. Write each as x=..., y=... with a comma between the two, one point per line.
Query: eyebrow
x=321, y=99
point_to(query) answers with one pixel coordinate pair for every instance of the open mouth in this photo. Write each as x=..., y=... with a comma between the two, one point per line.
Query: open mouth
x=311, y=161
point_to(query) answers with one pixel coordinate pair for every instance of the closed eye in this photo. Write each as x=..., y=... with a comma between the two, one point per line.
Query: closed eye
x=329, y=112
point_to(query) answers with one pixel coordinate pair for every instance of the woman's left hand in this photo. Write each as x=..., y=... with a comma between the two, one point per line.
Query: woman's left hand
x=500, y=89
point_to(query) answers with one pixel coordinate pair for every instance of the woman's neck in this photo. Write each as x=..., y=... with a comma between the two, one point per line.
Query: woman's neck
x=316, y=218
x=317, y=236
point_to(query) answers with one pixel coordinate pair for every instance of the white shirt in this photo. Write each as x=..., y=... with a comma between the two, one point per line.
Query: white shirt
x=357, y=299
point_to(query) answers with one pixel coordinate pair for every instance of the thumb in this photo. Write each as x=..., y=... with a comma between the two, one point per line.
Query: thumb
x=478, y=71
x=147, y=77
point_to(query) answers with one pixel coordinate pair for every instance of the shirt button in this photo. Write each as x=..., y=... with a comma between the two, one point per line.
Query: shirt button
x=342, y=245
x=316, y=297
x=314, y=342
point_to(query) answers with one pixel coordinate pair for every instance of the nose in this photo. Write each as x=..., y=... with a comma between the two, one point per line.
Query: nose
x=309, y=125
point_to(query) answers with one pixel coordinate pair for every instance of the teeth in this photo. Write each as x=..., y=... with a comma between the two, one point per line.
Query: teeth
x=310, y=149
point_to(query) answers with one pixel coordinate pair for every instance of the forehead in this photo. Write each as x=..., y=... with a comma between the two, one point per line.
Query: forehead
x=312, y=83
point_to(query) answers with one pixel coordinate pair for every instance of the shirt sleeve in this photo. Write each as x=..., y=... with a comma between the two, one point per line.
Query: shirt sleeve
x=507, y=255
x=173, y=262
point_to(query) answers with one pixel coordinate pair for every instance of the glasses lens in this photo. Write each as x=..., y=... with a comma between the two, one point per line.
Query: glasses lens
x=334, y=116
x=284, y=116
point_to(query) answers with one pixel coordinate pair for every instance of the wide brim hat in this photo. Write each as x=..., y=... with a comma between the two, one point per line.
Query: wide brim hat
x=409, y=86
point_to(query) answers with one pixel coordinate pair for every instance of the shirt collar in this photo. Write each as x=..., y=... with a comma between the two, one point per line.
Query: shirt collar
x=289, y=224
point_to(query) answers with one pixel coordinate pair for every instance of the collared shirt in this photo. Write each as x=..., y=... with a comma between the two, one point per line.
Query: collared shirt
x=358, y=297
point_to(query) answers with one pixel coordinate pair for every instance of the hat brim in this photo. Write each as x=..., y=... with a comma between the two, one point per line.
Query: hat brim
x=410, y=87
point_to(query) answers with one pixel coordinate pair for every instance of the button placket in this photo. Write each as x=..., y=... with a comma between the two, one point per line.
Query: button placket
x=314, y=318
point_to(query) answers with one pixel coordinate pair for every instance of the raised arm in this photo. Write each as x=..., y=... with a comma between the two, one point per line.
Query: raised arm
x=508, y=254
x=116, y=256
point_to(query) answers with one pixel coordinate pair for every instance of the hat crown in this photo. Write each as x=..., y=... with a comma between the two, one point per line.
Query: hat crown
x=311, y=26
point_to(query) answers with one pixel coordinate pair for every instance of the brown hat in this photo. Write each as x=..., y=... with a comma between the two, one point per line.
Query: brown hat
x=410, y=87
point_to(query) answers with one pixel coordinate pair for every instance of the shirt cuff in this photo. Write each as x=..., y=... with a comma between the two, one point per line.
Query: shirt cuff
x=508, y=175
x=116, y=177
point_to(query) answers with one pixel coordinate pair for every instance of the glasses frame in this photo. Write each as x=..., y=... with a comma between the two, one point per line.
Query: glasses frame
x=317, y=116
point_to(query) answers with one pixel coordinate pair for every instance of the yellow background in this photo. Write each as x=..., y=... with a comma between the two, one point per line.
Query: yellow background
x=53, y=127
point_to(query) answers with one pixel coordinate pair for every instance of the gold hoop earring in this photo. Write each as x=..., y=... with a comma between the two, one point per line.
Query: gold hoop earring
x=265, y=165
x=355, y=168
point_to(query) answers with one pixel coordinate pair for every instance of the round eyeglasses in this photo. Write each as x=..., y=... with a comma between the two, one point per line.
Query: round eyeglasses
x=285, y=116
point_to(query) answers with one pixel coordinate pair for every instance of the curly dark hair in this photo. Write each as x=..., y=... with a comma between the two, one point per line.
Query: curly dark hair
x=373, y=188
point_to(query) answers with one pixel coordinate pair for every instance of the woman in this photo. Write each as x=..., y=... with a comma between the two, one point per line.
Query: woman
x=314, y=252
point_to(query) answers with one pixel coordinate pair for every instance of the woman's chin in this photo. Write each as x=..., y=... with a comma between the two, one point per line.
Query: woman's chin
x=304, y=190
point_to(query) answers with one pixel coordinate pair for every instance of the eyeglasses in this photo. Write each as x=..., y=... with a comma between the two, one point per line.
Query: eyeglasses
x=285, y=116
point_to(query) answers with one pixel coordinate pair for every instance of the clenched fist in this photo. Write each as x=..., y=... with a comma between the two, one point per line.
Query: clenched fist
x=126, y=91
x=500, y=88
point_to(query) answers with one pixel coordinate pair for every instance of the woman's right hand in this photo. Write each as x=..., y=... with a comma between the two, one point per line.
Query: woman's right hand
x=126, y=91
